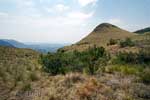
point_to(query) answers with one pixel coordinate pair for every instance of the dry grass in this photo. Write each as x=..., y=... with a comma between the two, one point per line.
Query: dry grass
x=18, y=67
x=76, y=86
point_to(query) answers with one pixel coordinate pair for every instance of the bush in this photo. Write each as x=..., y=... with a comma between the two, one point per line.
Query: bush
x=126, y=42
x=126, y=57
x=92, y=58
x=53, y=64
x=142, y=57
x=112, y=42
x=61, y=63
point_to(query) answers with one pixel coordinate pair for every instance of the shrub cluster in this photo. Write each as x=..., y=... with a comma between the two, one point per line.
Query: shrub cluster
x=112, y=42
x=127, y=42
x=87, y=61
x=142, y=57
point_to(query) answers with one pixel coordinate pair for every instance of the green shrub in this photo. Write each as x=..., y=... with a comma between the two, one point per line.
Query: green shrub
x=142, y=57
x=126, y=42
x=129, y=70
x=53, y=64
x=92, y=59
x=126, y=57
x=61, y=63
x=112, y=42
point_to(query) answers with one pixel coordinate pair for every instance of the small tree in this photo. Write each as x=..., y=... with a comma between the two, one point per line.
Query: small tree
x=125, y=57
x=52, y=64
x=91, y=58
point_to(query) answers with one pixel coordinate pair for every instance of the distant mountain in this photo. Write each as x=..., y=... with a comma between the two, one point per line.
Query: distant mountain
x=45, y=47
x=15, y=43
x=40, y=47
x=4, y=43
x=142, y=31
x=100, y=36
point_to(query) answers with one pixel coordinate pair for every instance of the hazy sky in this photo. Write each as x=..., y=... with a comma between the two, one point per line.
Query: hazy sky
x=57, y=21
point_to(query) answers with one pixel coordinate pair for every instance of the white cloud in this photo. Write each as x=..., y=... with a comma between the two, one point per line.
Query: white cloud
x=86, y=2
x=69, y=20
x=46, y=28
x=29, y=24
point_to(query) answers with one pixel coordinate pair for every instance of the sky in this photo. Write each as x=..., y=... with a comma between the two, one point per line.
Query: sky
x=68, y=21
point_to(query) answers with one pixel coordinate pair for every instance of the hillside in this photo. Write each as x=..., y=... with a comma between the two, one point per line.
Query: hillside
x=100, y=36
x=142, y=31
x=18, y=67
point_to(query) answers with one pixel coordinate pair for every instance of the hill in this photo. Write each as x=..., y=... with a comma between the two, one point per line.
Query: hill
x=100, y=36
x=142, y=31
x=4, y=43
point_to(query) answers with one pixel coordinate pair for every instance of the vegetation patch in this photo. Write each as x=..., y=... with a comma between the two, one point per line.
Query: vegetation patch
x=127, y=42
x=87, y=61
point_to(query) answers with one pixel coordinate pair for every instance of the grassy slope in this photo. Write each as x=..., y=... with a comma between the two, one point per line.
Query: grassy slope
x=18, y=67
x=108, y=84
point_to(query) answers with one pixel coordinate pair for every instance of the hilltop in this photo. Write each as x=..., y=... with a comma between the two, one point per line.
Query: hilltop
x=100, y=36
